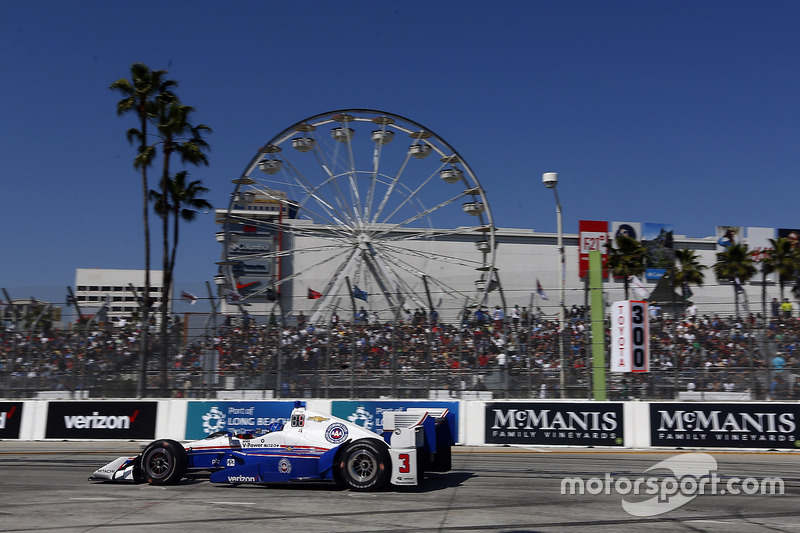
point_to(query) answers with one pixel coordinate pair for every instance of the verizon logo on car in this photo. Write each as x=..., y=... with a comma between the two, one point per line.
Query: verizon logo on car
x=101, y=420
x=98, y=421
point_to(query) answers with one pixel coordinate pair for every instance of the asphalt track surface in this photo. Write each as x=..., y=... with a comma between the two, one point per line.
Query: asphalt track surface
x=44, y=487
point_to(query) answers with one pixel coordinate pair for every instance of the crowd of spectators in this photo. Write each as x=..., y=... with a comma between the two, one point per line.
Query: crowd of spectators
x=485, y=348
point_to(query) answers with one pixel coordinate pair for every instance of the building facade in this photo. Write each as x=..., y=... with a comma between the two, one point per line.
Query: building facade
x=116, y=289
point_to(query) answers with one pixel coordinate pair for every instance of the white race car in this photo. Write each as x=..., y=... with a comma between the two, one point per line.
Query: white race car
x=312, y=447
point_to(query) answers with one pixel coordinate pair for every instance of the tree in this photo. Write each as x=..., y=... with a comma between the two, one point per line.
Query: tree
x=143, y=94
x=688, y=271
x=627, y=259
x=735, y=265
x=176, y=134
x=182, y=204
x=782, y=259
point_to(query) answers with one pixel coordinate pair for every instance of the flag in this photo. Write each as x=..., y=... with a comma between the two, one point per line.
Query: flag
x=358, y=293
x=440, y=299
x=540, y=290
x=233, y=297
x=34, y=301
x=188, y=297
x=313, y=295
x=639, y=289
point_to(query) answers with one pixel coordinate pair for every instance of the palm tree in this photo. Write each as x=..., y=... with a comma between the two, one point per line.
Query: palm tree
x=782, y=258
x=176, y=135
x=688, y=271
x=182, y=204
x=142, y=95
x=735, y=265
x=627, y=259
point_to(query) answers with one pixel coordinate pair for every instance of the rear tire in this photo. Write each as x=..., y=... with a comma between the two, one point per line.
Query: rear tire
x=163, y=462
x=365, y=465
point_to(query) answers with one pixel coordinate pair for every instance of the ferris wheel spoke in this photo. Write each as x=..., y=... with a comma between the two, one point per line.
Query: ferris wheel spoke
x=423, y=235
x=391, y=188
x=419, y=295
x=344, y=204
x=432, y=256
x=352, y=177
x=418, y=216
x=411, y=196
x=335, y=214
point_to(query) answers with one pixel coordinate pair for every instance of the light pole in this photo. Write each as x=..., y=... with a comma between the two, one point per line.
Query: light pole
x=550, y=180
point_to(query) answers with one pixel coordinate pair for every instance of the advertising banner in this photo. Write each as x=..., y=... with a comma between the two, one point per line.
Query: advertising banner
x=550, y=423
x=204, y=418
x=10, y=417
x=758, y=242
x=101, y=420
x=369, y=414
x=725, y=425
x=728, y=235
x=593, y=235
x=630, y=349
x=791, y=234
x=657, y=239
x=628, y=229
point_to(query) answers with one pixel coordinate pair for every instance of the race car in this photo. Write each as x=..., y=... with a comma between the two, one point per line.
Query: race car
x=311, y=447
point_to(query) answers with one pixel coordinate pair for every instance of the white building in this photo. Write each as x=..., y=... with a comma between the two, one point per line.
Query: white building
x=118, y=288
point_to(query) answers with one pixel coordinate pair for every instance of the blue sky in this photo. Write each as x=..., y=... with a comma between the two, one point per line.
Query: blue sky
x=680, y=112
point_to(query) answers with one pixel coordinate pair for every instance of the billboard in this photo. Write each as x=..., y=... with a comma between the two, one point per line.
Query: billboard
x=758, y=241
x=10, y=418
x=204, y=418
x=727, y=425
x=657, y=239
x=630, y=348
x=101, y=420
x=592, y=236
x=728, y=235
x=791, y=234
x=551, y=423
x=628, y=229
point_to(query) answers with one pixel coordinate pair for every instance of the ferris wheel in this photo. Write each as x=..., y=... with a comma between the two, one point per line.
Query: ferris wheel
x=362, y=208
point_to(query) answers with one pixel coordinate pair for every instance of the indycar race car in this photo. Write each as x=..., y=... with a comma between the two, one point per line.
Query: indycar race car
x=311, y=447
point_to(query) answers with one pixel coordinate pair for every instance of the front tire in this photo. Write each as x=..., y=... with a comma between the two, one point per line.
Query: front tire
x=163, y=462
x=365, y=465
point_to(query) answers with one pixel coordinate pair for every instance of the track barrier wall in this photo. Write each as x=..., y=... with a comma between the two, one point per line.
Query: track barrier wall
x=532, y=423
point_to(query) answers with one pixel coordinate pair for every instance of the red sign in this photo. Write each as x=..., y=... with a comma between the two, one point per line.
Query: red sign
x=593, y=235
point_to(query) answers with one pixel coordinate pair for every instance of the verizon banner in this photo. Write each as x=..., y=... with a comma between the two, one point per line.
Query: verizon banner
x=593, y=235
x=590, y=423
x=101, y=420
x=724, y=425
x=10, y=417
x=630, y=348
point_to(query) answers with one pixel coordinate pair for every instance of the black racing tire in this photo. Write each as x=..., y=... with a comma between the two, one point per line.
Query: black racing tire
x=163, y=462
x=365, y=465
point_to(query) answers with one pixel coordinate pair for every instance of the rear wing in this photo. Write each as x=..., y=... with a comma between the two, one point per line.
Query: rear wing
x=431, y=430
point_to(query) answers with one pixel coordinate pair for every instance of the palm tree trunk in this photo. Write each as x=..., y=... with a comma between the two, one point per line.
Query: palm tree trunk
x=143, y=354
x=164, y=358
